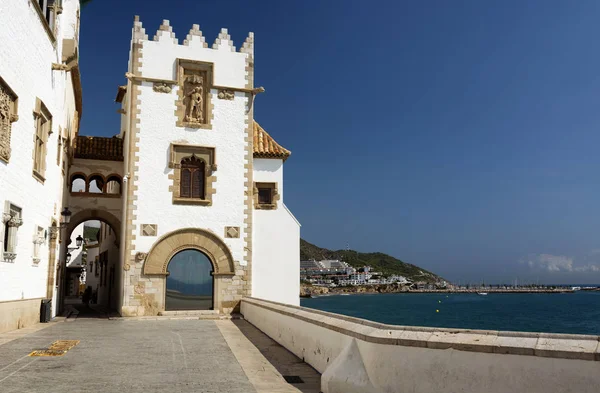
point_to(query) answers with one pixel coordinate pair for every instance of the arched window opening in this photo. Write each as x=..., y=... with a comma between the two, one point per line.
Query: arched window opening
x=113, y=185
x=192, y=178
x=190, y=282
x=96, y=184
x=78, y=183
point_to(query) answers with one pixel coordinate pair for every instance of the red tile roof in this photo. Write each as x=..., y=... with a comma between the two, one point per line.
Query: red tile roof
x=99, y=148
x=266, y=147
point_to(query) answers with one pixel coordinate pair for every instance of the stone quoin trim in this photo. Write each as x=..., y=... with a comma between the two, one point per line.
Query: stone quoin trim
x=132, y=167
x=248, y=49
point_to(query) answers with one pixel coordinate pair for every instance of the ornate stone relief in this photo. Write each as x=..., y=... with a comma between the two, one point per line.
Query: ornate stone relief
x=226, y=95
x=54, y=232
x=140, y=256
x=194, y=108
x=8, y=115
x=161, y=87
x=193, y=88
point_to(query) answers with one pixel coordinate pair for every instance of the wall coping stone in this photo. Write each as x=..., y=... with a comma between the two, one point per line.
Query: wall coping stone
x=550, y=345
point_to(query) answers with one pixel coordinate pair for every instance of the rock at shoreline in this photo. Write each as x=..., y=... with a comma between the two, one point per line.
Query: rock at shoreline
x=313, y=290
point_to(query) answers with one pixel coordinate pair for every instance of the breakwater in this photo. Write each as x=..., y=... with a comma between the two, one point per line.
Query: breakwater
x=494, y=290
x=307, y=291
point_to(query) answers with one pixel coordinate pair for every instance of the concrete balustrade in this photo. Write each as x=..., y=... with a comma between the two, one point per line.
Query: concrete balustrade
x=356, y=355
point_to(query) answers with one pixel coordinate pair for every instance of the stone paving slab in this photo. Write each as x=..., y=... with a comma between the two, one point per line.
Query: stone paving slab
x=113, y=356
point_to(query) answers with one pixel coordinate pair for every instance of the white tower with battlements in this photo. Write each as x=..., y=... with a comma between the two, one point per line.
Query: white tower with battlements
x=203, y=219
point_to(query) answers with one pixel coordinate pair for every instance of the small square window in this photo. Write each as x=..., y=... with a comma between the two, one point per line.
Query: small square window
x=264, y=195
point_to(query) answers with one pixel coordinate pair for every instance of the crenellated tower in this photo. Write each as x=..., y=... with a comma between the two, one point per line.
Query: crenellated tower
x=188, y=131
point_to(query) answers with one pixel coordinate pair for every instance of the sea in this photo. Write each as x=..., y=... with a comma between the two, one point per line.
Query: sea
x=575, y=313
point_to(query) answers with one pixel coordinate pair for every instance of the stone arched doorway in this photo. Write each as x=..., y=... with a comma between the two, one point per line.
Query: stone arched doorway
x=190, y=282
x=205, y=242
x=105, y=269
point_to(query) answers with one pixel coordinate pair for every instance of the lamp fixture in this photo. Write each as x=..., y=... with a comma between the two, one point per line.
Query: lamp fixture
x=68, y=257
x=65, y=217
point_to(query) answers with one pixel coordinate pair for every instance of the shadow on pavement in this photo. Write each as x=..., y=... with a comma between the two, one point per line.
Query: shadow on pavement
x=288, y=364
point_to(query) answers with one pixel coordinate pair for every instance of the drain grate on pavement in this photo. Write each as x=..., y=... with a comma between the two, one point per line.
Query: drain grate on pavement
x=57, y=348
x=293, y=379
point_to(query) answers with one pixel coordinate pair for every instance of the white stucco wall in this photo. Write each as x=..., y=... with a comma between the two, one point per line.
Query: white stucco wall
x=91, y=280
x=26, y=55
x=355, y=355
x=276, y=243
x=158, y=129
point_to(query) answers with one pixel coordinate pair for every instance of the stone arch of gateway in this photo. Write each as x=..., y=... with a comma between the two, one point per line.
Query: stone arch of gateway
x=190, y=170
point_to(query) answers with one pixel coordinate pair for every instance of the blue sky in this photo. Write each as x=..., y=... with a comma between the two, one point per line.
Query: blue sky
x=461, y=136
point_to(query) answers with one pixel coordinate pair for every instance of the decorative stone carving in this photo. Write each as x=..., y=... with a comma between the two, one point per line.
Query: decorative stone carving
x=14, y=222
x=36, y=261
x=126, y=267
x=149, y=229
x=8, y=115
x=10, y=256
x=140, y=256
x=232, y=232
x=161, y=87
x=194, y=102
x=194, y=107
x=54, y=232
x=139, y=289
x=6, y=217
x=226, y=95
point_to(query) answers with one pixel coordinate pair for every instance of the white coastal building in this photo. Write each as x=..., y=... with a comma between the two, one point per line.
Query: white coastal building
x=40, y=104
x=189, y=190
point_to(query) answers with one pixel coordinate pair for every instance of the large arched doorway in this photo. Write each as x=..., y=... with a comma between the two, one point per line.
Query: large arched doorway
x=190, y=282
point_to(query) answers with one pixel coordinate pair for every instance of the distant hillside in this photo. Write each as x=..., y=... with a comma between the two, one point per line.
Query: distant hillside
x=90, y=232
x=380, y=262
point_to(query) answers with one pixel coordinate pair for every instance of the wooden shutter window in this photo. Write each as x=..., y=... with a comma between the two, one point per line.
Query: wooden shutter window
x=198, y=182
x=192, y=178
x=186, y=182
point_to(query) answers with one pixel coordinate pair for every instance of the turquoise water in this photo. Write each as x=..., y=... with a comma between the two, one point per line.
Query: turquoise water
x=553, y=313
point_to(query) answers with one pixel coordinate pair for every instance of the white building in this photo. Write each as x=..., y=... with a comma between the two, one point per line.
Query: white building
x=191, y=186
x=40, y=103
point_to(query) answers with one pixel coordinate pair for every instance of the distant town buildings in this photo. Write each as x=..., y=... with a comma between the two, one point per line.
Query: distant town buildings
x=339, y=273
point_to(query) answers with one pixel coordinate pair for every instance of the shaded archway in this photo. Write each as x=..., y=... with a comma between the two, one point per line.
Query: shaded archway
x=93, y=214
x=190, y=282
x=199, y=239
x=107, y=265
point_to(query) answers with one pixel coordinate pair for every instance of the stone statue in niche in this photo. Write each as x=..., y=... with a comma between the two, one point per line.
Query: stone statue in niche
x=194, y=110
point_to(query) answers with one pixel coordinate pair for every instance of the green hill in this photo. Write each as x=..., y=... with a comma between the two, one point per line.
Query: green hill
x=90, y=233
x=380, y=262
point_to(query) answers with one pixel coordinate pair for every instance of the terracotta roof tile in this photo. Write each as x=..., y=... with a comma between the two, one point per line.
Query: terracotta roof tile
x=99, y=148
x=266, y=147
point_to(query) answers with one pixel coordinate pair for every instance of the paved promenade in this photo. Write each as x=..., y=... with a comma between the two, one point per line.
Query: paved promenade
x=151, y=356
